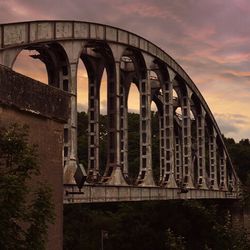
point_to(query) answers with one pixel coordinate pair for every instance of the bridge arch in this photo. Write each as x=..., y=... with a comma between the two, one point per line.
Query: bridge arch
x=66, y=40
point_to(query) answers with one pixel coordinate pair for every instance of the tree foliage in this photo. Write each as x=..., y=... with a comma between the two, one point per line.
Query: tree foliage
x=240, y=155
x=161, y=225
x=24, y=213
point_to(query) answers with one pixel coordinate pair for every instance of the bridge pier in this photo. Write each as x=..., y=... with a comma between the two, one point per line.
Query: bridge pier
x=186, y=140
x=200, y=123
x=223, y=170
x=113, y=173
x=213, y=179
x=145, y=177
x=95, y=68
x=168, y=125
x=70, y=130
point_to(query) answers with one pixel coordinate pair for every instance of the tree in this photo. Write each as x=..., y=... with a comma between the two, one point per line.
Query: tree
x=174, y=242
x=24, y=214
x=240, y=155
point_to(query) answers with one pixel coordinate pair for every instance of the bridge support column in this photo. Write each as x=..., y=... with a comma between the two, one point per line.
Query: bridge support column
x=162, y=147
x=113, y=174
x=186, y=141
x=213, y=160
x=146, y=175
x=178, y=160
x=200, y=124
x=223, y=170
x=93, y=118
x=68, y=82
x=124, y=125
x=232, y=181
x=70, y=148
x=168, y=116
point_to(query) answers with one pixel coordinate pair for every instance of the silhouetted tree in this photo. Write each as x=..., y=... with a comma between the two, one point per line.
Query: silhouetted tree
x=24, y=213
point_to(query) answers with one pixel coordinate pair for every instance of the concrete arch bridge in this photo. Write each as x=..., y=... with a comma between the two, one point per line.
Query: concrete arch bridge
x=194, y=162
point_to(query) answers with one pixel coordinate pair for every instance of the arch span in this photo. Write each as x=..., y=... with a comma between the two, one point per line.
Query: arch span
x=61, y=45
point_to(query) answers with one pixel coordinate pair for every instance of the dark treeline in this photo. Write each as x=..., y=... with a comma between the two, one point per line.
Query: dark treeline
x=161, y=225
x=158, y=225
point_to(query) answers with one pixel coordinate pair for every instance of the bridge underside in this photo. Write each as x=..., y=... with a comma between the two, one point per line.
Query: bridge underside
x=101, y=193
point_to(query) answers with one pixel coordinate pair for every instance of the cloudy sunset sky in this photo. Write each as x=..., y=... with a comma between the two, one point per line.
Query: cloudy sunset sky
x=210, y=39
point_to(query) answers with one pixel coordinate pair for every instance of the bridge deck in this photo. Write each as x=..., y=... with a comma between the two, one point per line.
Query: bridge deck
x=107, y=193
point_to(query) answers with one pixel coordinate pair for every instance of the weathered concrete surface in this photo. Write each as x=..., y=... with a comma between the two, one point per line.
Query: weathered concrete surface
x=108, y=193
x=43, y=109
x=29, y=95
x=15, y=36
x=62, y=44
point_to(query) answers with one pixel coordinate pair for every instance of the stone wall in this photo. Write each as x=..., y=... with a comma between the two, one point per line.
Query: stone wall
x=26, y=94
x=45, y=110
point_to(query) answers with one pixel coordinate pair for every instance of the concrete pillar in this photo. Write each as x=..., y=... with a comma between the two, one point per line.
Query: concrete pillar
x=145, y=177
x=124, y=125
x=186, y=141
x=93, y=118
x=162, y=147
x=8, y=57
x=223, y=169
x=113, y=174
x=168, y=121
x=68, y=82
x=213, y=160
x=178, y=160
x=201, y=161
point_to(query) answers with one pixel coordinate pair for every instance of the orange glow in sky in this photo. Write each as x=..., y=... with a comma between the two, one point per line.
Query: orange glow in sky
x=209, y=39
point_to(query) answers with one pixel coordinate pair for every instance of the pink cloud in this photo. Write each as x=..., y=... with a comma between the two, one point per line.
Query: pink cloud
x=210, y=39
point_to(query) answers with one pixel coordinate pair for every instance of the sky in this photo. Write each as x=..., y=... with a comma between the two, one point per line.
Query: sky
x=210, y=39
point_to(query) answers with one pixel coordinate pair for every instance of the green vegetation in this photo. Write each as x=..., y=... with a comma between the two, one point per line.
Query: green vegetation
x=161, y=225
x=240, y=155
x=170, y=225
x=24, y=213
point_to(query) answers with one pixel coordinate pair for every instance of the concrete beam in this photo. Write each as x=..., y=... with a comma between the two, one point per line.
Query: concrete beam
x=108, y=193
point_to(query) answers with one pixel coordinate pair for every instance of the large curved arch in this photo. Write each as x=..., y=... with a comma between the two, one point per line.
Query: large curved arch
x=111, y=43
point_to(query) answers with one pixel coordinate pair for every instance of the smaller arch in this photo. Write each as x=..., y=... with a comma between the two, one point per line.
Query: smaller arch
x=138, y=61
x=26, y=64
x=133, y=137
x=97, y=129
x=82, y=87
